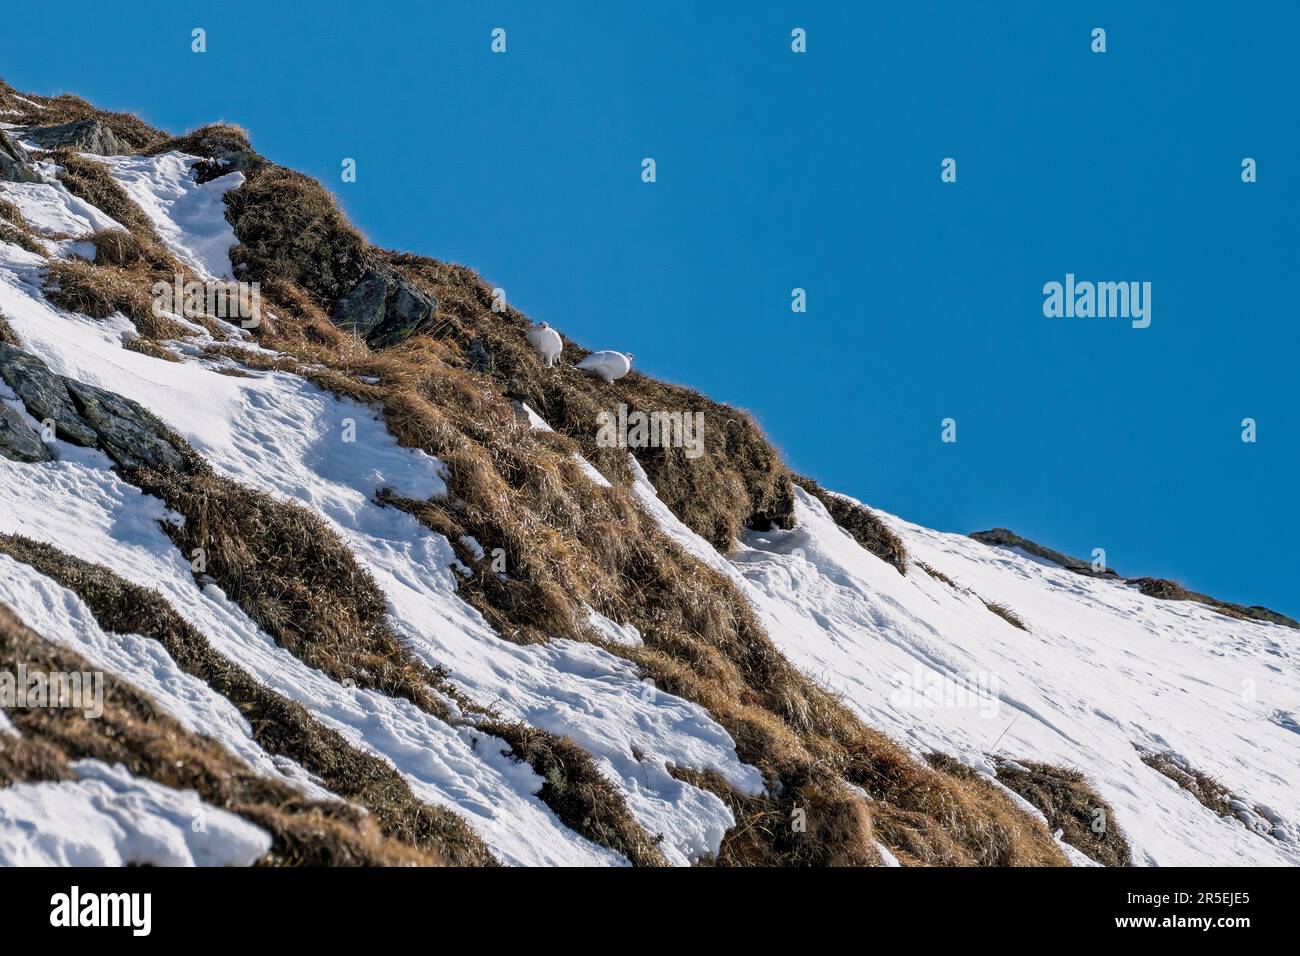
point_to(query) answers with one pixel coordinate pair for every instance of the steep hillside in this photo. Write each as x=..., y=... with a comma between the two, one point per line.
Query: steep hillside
x=373, y=560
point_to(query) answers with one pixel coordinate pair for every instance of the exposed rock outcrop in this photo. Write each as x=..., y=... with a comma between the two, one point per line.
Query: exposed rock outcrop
x=84, y=136
x=44, y=395
x=15, y=162
x=1152, y=587
x=18, y=440
x=1173, y=591
x=83, y=415
x=384, y=309
x=1001, y=537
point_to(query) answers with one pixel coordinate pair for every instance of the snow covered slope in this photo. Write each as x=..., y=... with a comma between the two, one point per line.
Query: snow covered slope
x=1100, y=671
x=278, y=432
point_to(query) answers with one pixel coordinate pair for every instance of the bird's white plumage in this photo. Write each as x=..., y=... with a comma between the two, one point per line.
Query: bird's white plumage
x=546, y=342
x=607, y=365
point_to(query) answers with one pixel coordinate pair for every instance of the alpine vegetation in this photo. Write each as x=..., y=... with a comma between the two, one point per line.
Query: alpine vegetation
x=239, y=302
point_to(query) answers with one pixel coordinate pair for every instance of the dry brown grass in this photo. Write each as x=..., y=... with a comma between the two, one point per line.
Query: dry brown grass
x=291, y=231
x=1208, y=791
x=938, y=575
x=739, y=482
x=569, y=542
x=1001, y=610
x=15, y=230
x=29, y=760
x=100, y=291
x=13, y=216
x=521, y=490
x=294, y=239
x=150, y=348
x=213, y=139
x=23, y=240
x=1004, y=612
x=11, y=212
x=291, y=574
x=572, y=544
x=127, y=261
x=279, y=725
x=7, y=334
x=805, y=826
x=137, y=734
x=1072, y=805
x=117, y=247
x=66, y=108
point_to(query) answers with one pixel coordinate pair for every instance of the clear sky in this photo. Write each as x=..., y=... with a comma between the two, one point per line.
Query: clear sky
x=821, y=170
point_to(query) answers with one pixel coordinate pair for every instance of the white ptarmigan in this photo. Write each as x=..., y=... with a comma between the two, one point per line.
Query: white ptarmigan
x=606, y=365
x=546, y=342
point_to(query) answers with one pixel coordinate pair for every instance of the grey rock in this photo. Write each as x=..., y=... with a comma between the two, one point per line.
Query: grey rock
x=89, y=416
x=18, y=440
x=15, y=162
x=44, y=394
x=128, y=433
x=480, y=358
x=1002, y=538
x=84, y=136
x=384, y=309
x=222, y=154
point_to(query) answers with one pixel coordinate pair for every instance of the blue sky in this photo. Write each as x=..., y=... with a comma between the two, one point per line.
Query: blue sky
x=822, y=171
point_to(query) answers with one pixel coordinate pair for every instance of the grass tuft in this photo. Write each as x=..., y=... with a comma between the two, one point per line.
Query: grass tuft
x=1208, y=791
x=1004, y=612
x=100, y=291
x=1072, y=805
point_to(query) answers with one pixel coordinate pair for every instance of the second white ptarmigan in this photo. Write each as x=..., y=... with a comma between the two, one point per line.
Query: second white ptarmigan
x=606, y=365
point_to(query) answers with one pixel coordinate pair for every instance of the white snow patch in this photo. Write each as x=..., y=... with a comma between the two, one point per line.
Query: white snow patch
x=535, y=421
x=886, y=857
x=189, y=216
x=107, y=817
x=590, y=471
x=53, y=211
x=611, y=630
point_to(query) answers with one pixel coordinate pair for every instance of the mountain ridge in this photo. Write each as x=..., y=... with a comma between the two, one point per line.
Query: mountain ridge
x=637, y=599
